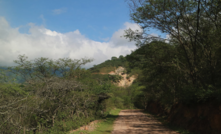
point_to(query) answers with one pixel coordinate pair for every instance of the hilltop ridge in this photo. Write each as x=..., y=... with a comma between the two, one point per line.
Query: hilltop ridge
x=110, y=65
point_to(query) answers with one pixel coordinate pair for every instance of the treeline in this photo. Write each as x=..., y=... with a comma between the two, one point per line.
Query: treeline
x=9, y=75
x=56, y=97
x=186, y=67
x=110, y=65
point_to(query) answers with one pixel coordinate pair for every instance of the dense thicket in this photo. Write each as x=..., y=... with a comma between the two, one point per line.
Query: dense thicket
x=187, y=67
x=57, y=96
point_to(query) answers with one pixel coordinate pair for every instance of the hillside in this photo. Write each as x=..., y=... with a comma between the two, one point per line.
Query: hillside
x=125, y=79
x=110, y=65
x=116, y=67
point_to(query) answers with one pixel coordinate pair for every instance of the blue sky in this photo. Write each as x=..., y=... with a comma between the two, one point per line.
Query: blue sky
x=64, y=28
x=97, y=19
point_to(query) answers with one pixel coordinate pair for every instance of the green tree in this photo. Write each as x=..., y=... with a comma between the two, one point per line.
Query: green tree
x=121, y=57
x=44, y=68
x=192, y=25
x=113, y=58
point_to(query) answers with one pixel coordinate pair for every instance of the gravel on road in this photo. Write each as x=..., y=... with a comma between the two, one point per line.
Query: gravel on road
x=137, y=122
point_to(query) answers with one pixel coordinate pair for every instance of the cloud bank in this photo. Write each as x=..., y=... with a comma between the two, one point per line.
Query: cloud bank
x=43, y=42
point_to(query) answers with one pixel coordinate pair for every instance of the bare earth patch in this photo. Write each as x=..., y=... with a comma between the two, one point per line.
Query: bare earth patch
x=90, y=127
x=137, y=122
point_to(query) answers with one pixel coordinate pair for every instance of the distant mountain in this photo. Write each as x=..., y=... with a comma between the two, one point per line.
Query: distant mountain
x=17, y=78
x=13, y=77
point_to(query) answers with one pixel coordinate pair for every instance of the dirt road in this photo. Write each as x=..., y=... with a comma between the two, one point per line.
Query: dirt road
x=136, y=122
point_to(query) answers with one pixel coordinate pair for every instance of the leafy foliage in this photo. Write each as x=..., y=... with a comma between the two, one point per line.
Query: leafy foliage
x=186, y=68
x=57, y=96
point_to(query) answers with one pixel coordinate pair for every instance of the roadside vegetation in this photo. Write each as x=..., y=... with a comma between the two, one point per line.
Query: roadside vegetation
x=185, y=67
x=56, y=96
x=105, y=126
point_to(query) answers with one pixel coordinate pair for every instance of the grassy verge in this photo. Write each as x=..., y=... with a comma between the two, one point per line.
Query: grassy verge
x=105, y=126
x=162, y=119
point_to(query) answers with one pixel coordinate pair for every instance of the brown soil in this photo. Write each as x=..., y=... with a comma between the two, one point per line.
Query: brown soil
x=90, y=127
x=136, y=122
x=124, y=82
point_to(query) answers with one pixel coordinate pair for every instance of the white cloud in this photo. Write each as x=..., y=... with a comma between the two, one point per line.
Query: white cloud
x=59, y=11
x=43, y=42
x=154, y=35
x=118, y=37
x=105, y=39
x=167, y=39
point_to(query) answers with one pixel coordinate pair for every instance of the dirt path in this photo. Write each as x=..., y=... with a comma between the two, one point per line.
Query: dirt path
x=136, y=122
